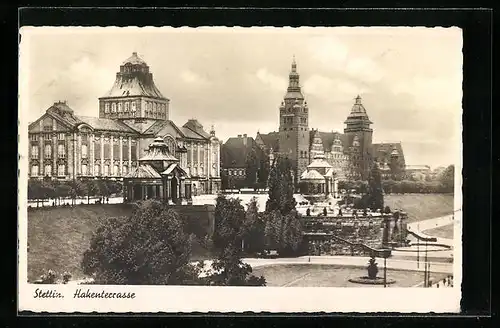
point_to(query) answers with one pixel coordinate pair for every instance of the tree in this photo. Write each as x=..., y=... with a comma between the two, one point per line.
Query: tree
x=281, y=187
x=447, y=179
x=62, y=190
x=35, y=190
x=253, y=238
x=263, y=173
x=375, y=192
x=252, y=167
x=227, y=242
x=149, y=248
x=92, y=188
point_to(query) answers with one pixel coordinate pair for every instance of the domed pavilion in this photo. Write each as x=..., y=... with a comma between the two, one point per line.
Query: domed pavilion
x=319, y=180
x=158, y=176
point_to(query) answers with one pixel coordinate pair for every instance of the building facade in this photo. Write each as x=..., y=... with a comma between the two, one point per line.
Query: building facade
x=132, y=115
x=349, y=153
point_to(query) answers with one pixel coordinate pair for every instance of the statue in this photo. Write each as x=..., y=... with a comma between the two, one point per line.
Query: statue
x=372, y=268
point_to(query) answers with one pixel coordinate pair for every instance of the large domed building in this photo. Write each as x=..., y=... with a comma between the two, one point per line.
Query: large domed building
x=132, y=115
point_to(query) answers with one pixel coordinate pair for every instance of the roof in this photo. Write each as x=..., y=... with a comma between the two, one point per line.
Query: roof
x=382, y=151
x=105, y=124
x=235, y=150
x=319, y=162
x=133, y=85
x=188, y=133
x=158, y=151
x=312, y=175
x=270, y=140
x=134, y=60
x=358, y=111
x=196, y=127
x=144, y=171
x=173, y=167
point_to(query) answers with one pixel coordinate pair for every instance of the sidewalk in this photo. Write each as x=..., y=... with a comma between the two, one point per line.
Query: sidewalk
x=420, y=226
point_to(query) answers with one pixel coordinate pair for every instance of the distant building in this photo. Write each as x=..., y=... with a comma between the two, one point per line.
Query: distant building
x=418, y=172
x=350, y=153
x=64, y=145
x=235, y=153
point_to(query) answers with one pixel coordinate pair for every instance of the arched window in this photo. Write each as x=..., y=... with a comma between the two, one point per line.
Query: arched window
x=125, y=170
x=115, y=170
x=106, y=170
x=97, y=169
x=172, y=145
x=84, y=169
x=61, y=170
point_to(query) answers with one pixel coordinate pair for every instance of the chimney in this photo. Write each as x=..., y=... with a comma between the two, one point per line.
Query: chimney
x=239, y=135
x=245, y=135
x=245, y=140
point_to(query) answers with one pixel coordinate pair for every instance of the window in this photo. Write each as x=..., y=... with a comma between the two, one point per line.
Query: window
x=106, y=170
x=61, y=136
x=125, y=152
x=34, y=152
x=84, y=151
x=107, y=152
x=125, y=170
x=133, y=152
x=120, y=107
x=34, y=137
x=84, y=169
x=34, y=170
x=47, y=137
x=61, y=151
x=47, y=128
x=97, y=150
x=127, y=106
x=133, y=106
x=48, y=170
x=48, y=151
x=106, y=108
x=97, y=169
x=61, y=168
x=116, y=171
x=113, y=108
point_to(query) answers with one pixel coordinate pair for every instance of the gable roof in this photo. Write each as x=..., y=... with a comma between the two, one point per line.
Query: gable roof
x=327, y=138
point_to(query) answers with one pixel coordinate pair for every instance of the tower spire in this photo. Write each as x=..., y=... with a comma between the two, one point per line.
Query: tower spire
x=294, y=65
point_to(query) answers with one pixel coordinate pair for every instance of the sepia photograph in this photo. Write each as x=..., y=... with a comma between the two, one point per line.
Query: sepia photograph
x=297, y=161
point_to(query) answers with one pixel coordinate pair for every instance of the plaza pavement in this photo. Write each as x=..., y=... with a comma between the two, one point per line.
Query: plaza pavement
x=420, y=226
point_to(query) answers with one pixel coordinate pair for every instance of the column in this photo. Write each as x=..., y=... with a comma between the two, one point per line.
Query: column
x=79, y=155
x=74, y=155
x=199, y=159
x=54, y=155
x=41, y=153
x=121, y=155
x=129, y=153
x=162, y=187
x=153, y=191
x=169, y=192
x=91, y=155
x=102, y=155
x=111, y=149
x=191, y=164
x=132, y=196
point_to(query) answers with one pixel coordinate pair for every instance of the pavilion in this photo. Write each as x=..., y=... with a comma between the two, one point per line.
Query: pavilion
x=319, y=179
x=158, y=176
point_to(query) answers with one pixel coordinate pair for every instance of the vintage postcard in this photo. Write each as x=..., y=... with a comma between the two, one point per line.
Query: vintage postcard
x=240, y=169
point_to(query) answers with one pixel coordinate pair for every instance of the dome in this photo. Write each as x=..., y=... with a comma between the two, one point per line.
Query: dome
x=134, y=60
x=312, y=175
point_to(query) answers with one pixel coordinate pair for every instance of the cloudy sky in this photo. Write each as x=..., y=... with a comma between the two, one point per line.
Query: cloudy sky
x=410, y=79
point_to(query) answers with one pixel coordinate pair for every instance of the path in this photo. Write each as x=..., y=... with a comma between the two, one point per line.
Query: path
x=420, y=226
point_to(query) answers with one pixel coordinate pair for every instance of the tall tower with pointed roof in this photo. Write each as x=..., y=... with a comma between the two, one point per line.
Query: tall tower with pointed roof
x=359, y=134
x=294, y=124
x=134, y=97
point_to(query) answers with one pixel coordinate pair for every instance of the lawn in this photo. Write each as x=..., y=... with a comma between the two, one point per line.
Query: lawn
x=59, y=236
x=318, y=275
x=421, y=206
x=441, y=232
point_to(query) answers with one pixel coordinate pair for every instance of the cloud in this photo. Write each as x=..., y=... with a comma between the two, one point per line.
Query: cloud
x=191, y=77
x=273, y=81
x=364, y=68
x=329, y=51
x=336, y=90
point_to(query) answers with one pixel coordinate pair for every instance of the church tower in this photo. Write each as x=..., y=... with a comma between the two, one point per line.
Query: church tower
x=359, y=140
x=134, y=97
x=294, y=123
